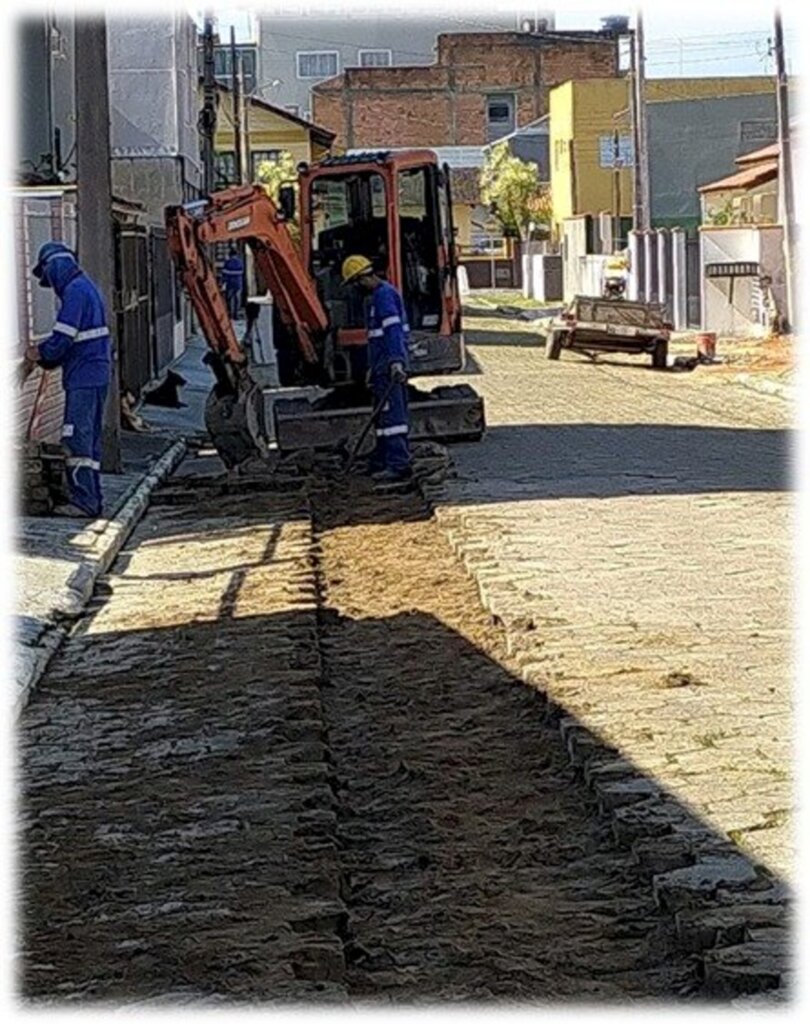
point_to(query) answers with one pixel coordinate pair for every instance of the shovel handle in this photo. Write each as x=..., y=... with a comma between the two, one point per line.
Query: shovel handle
x=375, y=412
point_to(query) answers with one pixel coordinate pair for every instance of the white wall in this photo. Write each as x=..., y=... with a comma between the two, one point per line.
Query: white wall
x=731, y=306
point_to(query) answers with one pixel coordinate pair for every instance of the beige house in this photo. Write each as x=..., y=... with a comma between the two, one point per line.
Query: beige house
x=749, y=196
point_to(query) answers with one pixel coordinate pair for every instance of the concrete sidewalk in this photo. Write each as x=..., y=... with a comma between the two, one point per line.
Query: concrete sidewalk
x=58, y=561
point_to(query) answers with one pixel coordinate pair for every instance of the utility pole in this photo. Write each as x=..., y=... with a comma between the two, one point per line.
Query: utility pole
x=785, y=163
x=94, y=197
x=208, y=115
x=637, y=206
x=617, y=196
x=640, y=123
x=237, y=113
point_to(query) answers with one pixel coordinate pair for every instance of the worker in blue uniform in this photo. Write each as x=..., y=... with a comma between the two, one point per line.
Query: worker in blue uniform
x=79, y=343
x=233, y=277
x=387, y=326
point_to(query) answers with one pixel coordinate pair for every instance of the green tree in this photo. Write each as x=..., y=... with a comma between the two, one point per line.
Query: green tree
x=511, y=187
x=275, y=173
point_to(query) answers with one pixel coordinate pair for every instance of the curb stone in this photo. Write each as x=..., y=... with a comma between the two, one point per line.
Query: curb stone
x=694, y=872
x=102, y=544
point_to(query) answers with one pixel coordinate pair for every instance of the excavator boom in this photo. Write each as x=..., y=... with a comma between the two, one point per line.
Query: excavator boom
x=231, y=215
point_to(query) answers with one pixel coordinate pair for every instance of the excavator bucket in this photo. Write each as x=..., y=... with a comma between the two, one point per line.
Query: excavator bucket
x=451, y=413
x=234, y=422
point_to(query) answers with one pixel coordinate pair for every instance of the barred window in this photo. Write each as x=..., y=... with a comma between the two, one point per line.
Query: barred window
x=317, y=63
x=375, y=58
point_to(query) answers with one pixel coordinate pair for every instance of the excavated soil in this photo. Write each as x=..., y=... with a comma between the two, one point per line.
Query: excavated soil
x=475, y=864
x=269, y=766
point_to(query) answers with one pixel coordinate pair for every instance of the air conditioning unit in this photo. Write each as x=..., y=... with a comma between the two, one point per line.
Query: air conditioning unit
x=534, y=25
x=617, y=24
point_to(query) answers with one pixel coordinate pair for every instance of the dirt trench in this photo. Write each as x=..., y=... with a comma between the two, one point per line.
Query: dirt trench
x=272, y=764
x=475, y=866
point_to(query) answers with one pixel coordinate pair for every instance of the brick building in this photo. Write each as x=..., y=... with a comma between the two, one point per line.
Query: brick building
x=482, y=86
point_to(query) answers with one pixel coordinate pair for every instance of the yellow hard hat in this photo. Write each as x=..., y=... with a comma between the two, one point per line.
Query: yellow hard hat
x=354, y=267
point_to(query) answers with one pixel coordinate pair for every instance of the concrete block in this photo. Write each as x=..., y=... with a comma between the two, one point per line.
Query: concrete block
x=693, y=886
x=745, y=969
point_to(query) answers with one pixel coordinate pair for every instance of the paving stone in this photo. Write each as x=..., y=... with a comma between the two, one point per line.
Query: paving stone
x=665, y=641
x=701, y=929
x=696, y=884
x=748, y=968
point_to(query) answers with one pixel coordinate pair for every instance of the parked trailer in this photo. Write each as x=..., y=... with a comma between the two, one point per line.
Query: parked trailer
x=593, y=325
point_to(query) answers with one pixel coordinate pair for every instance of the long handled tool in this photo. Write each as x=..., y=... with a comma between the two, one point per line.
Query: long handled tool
x=375, y=412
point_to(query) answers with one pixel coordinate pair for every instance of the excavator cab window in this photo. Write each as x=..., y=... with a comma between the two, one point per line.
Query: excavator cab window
x=420, y=240
x=348, y=217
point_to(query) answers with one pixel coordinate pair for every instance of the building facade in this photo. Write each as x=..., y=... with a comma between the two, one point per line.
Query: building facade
x=481, y=87
x=153, y=110
x=155, y=161
x=299, y=47
x=696, y=128
x=270, y=131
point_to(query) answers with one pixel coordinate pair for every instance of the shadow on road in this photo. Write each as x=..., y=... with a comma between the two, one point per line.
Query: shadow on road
x=172, y=782
x=574, y=460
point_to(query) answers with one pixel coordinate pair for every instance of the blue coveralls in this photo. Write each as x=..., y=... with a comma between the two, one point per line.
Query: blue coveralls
x=80, y=344
x=388, y=332
x=233, y=273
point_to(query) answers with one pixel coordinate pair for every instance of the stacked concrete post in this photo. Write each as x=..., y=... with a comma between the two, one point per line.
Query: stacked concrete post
x=664, y=257
x=635, y=283
x=679, y=303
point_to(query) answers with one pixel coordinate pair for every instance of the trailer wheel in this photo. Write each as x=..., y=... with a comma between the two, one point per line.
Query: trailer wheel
x=659, y=354
x=554, y=345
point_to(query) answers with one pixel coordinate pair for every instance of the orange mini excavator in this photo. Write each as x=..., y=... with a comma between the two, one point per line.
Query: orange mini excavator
x=394, y=208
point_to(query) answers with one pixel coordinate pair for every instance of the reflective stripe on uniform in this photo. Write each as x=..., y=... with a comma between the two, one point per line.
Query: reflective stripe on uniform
x=81, y=462
x=378, y=333
x=390, y=321
x=67, y=430
x=94, y=332
x=71, y=332
x=401, y=428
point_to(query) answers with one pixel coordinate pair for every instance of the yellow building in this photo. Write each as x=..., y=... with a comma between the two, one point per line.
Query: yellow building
x=585, y=117
x=270, y=131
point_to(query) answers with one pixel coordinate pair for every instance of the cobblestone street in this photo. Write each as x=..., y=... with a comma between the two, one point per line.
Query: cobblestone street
x=288, y=754
x=632, y=530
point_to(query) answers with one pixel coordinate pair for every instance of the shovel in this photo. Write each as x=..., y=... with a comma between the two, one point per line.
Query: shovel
x=375, y=412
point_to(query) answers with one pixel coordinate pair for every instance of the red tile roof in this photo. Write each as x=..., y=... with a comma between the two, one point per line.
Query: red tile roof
x=746, y=178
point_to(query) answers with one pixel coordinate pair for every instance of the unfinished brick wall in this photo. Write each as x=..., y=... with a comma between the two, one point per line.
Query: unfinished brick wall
x=445, y=104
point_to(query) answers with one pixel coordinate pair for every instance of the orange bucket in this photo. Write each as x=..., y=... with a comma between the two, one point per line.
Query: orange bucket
x=707, y=344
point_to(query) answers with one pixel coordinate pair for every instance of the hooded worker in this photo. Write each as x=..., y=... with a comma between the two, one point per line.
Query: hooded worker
x=233, y=276
x=79, y=343
x=387, y=327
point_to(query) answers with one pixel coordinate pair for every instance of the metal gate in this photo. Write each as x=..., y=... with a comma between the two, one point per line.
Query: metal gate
x=132, y=306
x=162, y=273
x=693, y=282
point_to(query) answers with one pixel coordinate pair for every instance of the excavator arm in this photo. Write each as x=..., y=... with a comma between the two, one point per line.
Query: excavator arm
x=247, y=213
x=234, y=411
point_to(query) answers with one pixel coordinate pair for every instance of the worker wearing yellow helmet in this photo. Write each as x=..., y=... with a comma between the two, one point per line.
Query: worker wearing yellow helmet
x=387, y=326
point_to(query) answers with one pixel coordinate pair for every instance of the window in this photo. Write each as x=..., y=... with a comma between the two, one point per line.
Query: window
x=293, y=108
x=224, y=169
x=317, y=63
x=374, y=58
x=760, y=130
x=223, y=65
x=500, y=116
x=259, y=156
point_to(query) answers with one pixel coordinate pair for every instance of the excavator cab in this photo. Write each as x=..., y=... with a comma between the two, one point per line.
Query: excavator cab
x=395, y=209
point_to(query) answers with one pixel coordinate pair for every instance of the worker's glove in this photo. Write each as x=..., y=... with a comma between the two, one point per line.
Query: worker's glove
x=397, y=373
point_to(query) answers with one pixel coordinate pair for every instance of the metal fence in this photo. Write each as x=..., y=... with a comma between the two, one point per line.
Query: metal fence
x=132, y=307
